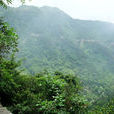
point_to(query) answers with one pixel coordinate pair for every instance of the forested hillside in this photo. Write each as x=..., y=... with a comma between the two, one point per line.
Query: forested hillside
x=51, y=40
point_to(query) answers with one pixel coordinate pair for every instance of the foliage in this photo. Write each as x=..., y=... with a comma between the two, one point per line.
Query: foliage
x=67, y=45
x=55, y=92
x=4, y=3
x=62, y=43
x=8, y=65
x=107, y=108
x=43, y=93
x=8, y=40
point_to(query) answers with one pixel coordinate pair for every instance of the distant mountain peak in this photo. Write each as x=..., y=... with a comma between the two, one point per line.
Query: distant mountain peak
x=49, y=37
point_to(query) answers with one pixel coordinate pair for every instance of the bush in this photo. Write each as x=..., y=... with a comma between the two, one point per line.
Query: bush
x=46, y=93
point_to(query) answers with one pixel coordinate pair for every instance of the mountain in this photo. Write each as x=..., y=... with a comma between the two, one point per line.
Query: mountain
x=51, y=39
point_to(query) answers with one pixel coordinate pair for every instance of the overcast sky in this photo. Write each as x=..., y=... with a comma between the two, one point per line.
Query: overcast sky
x=80, y=9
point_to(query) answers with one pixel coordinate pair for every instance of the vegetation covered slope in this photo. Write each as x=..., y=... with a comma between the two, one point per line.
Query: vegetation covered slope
x=49, y=38
x=52, y=40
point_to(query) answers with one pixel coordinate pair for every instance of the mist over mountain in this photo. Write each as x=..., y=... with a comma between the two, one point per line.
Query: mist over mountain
x=68, y=63
x=51, y=39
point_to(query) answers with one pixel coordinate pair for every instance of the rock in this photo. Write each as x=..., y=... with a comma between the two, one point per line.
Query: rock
x=3, y=110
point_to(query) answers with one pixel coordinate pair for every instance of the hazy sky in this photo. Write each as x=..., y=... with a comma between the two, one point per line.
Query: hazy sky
x=80, y=9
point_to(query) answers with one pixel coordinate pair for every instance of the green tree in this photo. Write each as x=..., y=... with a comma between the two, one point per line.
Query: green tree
x=4, y=3
x=48, y=93
x=8, y=40
x=8, y=65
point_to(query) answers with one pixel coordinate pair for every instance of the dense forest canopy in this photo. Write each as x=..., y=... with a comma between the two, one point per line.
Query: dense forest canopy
x=67, y=49
x=88, y=45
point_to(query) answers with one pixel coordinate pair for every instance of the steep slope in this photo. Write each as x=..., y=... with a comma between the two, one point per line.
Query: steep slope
x=50, y=39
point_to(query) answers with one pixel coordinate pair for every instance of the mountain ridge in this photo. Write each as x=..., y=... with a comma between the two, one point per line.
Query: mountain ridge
x=49, y=38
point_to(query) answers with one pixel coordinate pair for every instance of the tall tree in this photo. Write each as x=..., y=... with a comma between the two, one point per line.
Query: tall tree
x=8, y=65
